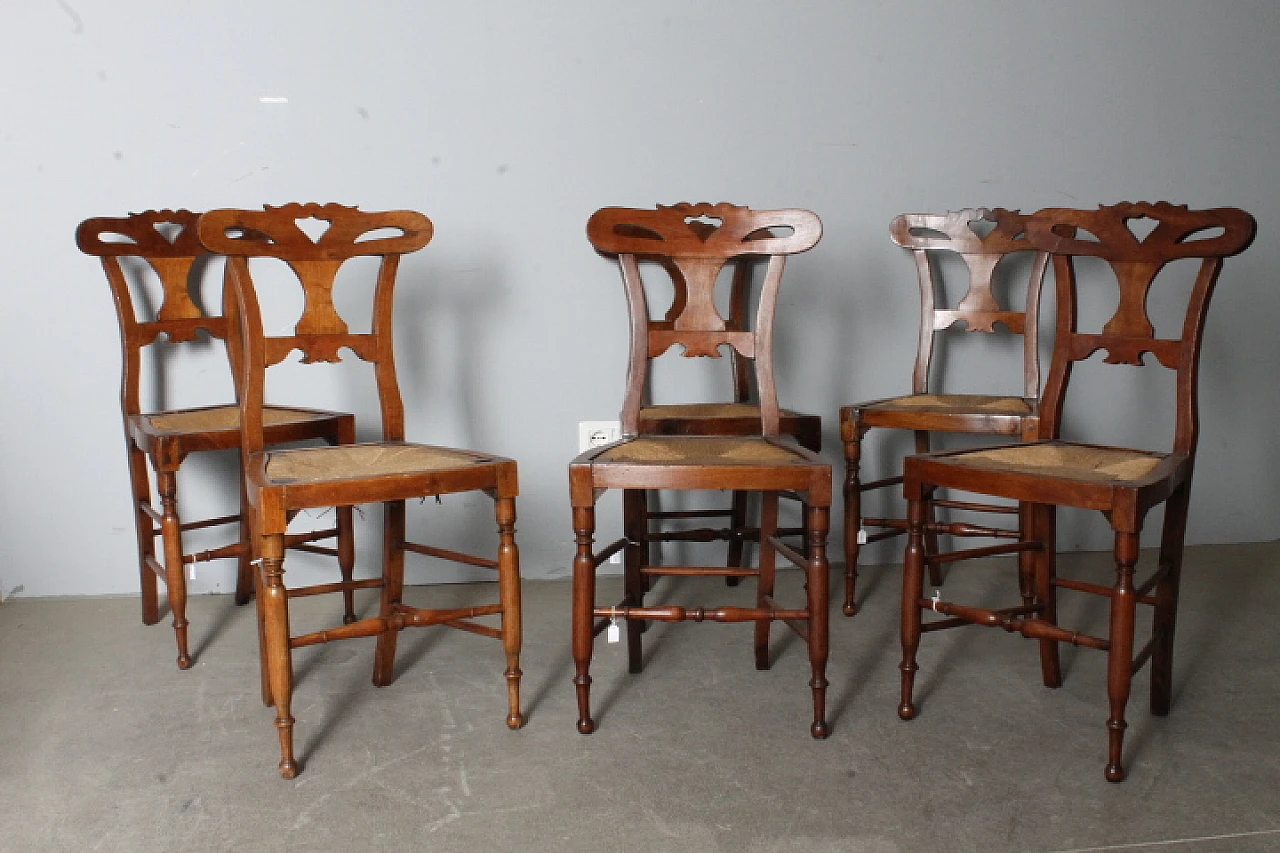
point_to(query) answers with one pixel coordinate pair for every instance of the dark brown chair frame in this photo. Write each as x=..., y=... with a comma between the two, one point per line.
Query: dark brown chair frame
x=1121, y=483
x=165, y=240
x=740, y=416
x=390, y=471
x=923, y=412
x=700, y=239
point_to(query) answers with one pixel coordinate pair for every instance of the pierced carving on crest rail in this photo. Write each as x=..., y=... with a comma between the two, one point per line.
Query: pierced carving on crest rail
x=315, y=240
x=693, y=243
x=278, y=232
x=167, y=241
x=1136, y=259
x=981, y=249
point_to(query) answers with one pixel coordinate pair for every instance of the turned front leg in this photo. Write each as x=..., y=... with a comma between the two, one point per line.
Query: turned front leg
x=1120, y=652
x=584, y=596
x=912, y=588
x=852, y=515
x=274, y=603
x=509, y=593
x=171, y=534
x=347, y=562
x=818, y=577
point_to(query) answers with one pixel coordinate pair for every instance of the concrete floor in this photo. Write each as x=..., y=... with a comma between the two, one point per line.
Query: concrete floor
x=106, y=745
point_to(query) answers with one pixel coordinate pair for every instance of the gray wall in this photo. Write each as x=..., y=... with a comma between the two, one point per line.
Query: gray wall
x=509, y=122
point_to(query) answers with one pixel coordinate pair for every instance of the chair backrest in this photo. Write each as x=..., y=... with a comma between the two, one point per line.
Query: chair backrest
x=1136, y=262
x=980, y=309
x=166, y=241
x=320, y=332
x=694, y=242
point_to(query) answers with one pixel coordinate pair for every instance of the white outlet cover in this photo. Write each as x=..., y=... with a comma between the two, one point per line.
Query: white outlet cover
x=596, y=433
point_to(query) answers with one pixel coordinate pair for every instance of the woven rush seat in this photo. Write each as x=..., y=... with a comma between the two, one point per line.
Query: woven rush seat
x=223, y=418
x=698, y=450
x=1073, y=461
x=356, y=461
x=959, y=403
x=707, y=410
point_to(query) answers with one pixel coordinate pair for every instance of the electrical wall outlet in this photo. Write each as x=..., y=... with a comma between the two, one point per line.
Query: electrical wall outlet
x=596, y=433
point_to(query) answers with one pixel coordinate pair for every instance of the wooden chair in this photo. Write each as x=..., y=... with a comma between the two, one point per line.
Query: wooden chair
x=740, y=416
x=700, y=239
x=163, y=244
x=1121, y=483
x=923, y=411
x=282, y=482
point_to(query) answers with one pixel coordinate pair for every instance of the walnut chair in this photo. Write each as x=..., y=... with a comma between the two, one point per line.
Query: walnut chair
x=163, y=244
x=740, y=416
x=1121, y=483
x=391, y=471
x=923, y=411
x=699, y=239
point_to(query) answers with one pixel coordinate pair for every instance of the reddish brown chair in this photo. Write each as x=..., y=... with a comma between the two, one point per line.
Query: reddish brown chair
x=923, y=411
x=699, y=240
x=738, y=417
x=281, y=482
x=162, y=245
x=1121, y=483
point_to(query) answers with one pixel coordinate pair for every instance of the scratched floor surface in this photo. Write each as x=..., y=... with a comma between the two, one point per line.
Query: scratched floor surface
x=106, y=745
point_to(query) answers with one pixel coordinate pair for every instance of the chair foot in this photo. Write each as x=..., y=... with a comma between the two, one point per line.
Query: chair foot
x=732, y=580
x=820, y=730
x=850, y=606
x=180, y=634
x=1115, y=773
x=586, y=726
x=289, y=769
x=515, y=721
x=907, y=711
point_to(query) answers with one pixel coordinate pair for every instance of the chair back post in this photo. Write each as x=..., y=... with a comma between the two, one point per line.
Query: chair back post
x=766, y=387
x=166, y=241
x=1207, y=235
x=694, y=242
x=249, y=361
x=320, y=332
x=739, y=297
x=979, y=309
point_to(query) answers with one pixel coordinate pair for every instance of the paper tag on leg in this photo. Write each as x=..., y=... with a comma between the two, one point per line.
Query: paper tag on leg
x=862, y=536
x=612, y=634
